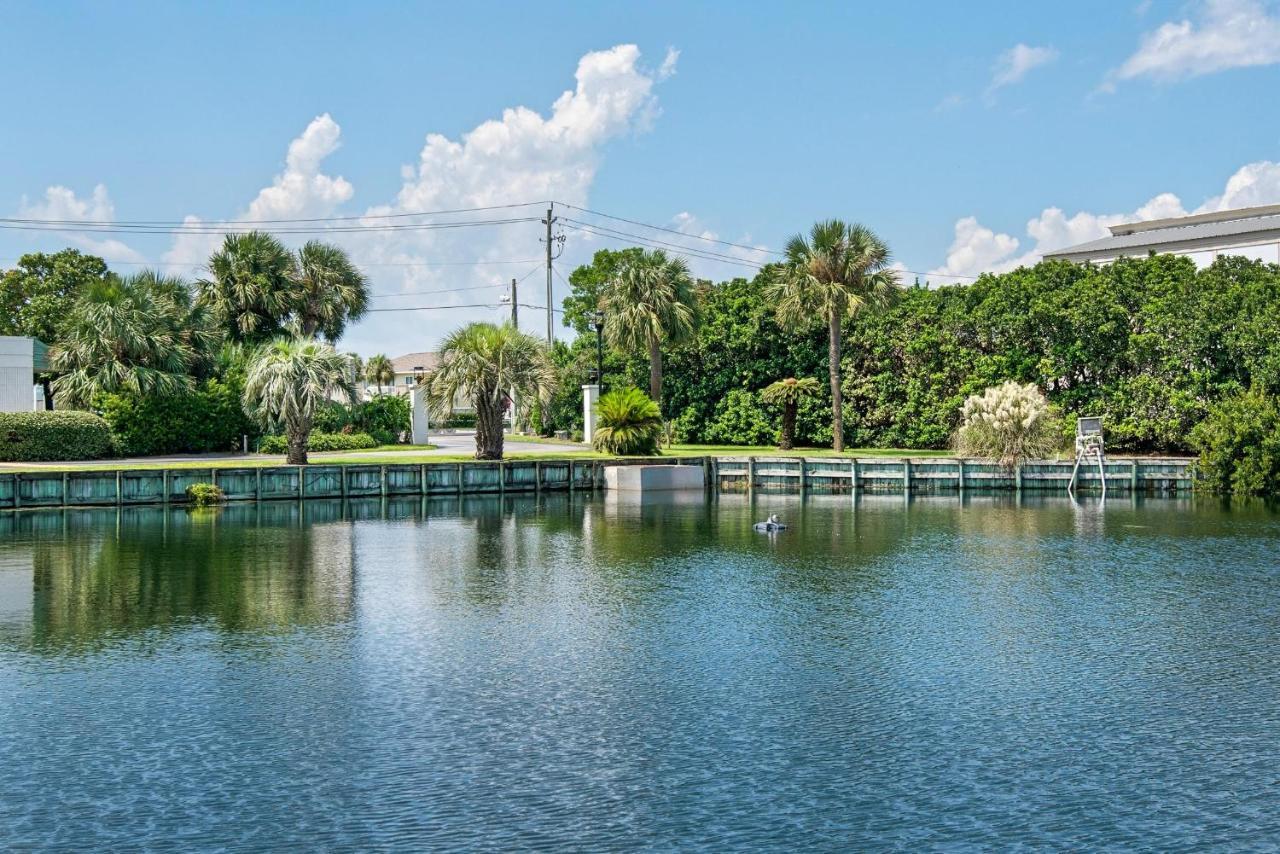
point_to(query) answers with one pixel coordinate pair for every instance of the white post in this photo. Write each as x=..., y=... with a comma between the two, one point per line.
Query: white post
x=590, y=397
x=418, y=422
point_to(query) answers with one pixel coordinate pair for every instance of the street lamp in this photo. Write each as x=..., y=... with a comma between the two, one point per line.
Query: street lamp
x=598, y=317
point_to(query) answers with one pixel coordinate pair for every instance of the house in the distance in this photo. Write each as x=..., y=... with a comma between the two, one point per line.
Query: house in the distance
x=1250, y=232
x=408, y=369
x=21, y=361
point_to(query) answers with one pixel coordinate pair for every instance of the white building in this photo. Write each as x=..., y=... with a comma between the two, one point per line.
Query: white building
x=20, y=360
x=408, y=368
x=1251, y=232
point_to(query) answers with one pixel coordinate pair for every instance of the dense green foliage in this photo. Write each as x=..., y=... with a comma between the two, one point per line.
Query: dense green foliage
x=629, y=423
x=788, y=393
x=60, y=435
x=205, y=494
x=384, y=418
x=1239, y=445
x=318, y=441
x=208, y=418
x=36, y=296
x=142, y=334
x=1150, y=344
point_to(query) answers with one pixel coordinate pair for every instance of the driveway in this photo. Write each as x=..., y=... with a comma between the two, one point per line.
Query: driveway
x=447, y=444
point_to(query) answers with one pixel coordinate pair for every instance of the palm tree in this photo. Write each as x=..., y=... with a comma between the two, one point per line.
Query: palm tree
x=141, y=334
x=839, y=270
x=787, y=394
x=250, y=289
x=288, y=381
x=488, y=364
x=379, y=371
x=259, y=289
x=651, y=302
x=330, y=291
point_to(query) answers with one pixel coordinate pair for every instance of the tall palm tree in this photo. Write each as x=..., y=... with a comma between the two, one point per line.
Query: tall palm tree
x=488, y=364
x=250, y=289
x=259, y=288
x=651, y=302
x=840, y=270
x=330, y=291
x=288, y=381
x=787, y=394
x=141, y=334
x=379, y=371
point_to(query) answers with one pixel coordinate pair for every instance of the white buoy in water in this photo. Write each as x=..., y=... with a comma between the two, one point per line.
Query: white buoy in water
x=770, y=525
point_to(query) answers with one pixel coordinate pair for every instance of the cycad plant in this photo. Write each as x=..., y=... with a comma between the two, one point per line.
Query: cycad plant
x=379, y=371
x=487, y=364
x=652, y=302
x=288, y=381
x=629, y=424
x=140, y=334
x=838, y=271
x=787, y=394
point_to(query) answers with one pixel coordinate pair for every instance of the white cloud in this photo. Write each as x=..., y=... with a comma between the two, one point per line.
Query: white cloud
x=977, y=249
x=1227, y=34
x=302, y=190
x=61, y=203
x=1017, y=62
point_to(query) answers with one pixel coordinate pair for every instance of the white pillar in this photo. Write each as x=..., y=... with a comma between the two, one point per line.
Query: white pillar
x=590, y=397
x=418, y=422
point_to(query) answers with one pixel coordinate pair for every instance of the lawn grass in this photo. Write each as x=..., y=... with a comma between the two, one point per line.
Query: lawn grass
x=381, y=455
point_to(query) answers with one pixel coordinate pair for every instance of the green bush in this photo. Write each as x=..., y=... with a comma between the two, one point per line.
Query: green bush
x=59, y=435
x=741, y=418
x=318, y=441
x=210, y=418
x=1239, y=445
x=384, y=418
x=205, y=494
x=630, y=424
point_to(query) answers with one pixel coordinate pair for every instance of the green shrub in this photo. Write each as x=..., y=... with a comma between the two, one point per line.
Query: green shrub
x=205, y=494
x=59, y=435
x=318, y=441
x=741, y=418
x=210, y=418
x=384, y=418
x=461, y=421
x=1239, y=445
x=630, y=424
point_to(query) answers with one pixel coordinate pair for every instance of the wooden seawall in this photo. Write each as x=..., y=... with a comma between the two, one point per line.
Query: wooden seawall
x=37, y=488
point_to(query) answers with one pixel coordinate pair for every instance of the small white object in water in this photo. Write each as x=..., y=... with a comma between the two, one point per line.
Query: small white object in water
x=770, y=525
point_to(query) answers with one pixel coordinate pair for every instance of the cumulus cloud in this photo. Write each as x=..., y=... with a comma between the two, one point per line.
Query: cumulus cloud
x=1017, y=62
x=62, y=203
x=977, y=249
x=1226, y=34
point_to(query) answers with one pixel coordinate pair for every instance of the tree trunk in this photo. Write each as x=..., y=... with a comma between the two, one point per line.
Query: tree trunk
x=488, y=427
x=788, y=426
x=48, y=392
x=655, y=373
x=297, y=450
x=837, y=408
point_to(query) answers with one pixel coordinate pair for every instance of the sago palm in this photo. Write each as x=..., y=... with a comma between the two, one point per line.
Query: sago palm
x=379, y=371
x=487, y=364
x=630, y=424
x=838, y=271
x=140, y=334
x=288, y=381
x=651, y=302
x=787, y=394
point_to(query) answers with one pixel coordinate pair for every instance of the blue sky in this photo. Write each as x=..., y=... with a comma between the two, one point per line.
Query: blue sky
x=970, y=136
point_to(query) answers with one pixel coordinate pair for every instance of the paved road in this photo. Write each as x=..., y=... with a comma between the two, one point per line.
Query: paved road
x=447, y=444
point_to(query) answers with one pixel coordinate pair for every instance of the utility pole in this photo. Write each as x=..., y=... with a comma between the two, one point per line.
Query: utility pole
x=550, y=221
x=515, y=312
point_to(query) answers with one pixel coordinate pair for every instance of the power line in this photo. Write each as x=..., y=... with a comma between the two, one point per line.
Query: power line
x=671, y=230
x=436, y=307
x=219, y=230
x=455, y=290
x=683, y=250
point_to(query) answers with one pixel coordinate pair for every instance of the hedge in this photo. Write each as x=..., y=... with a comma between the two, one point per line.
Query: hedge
x=318, y=441
x=210, y=418
x=50, y=436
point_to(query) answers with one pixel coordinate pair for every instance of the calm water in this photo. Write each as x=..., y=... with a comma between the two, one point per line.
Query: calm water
x=555, y=673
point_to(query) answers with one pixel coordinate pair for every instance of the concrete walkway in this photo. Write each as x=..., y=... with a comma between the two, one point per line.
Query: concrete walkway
x=447, y=444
